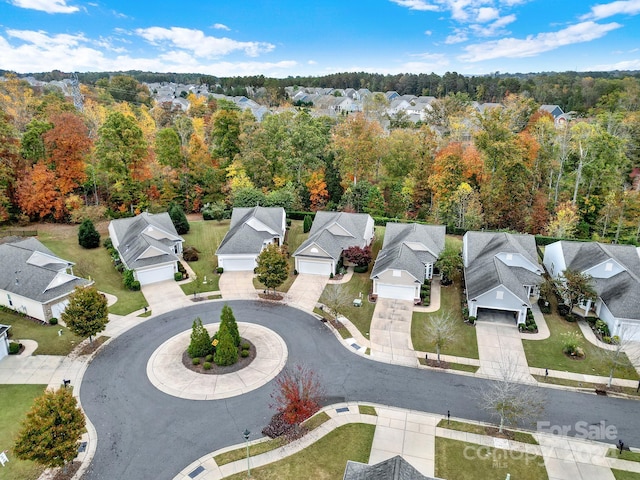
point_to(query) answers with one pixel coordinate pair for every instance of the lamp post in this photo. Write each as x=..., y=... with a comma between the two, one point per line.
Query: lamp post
x=246, y=434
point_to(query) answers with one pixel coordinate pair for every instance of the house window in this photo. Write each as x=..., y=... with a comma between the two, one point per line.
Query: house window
x=428, y=270
x=553, y=267
x=10, y=301
x=608, y=267
x=499, y=295
x=397, y=273
x=509, y=256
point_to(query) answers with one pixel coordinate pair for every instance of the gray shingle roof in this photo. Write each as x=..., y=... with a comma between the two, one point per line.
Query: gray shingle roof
x=485, y=271
x=409, y=247
x=395, y=468
x=132, y=240
x=29, y=269
x=244, y=238
x=354, y=225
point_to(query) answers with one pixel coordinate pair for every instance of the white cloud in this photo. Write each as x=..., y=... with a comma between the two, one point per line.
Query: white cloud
x=312, y=62
x=221, y=26
x=623, y=65
x=428, y=33
x=606, y=10
x=493, y=28
x=199, y=44
x=49, y=6
x=421, y=5
x=535, y=44
x=458, y=36
x=486, y=14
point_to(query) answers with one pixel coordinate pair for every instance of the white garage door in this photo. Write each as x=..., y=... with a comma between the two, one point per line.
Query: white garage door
x=238, y=264
x=314, y=268
x=629, y=331
x=58, y=308
x=4, y=351
x=400, y=292
x=153, y=275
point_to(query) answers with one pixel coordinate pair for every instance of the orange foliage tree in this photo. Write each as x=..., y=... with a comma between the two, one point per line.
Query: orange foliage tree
x=318, y=193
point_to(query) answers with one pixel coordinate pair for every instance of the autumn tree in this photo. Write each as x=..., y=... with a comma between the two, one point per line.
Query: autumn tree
x=87, y=313
x=297, y=394
x=565, y=221
x=441, y=330
x=318, y=193
x=576, y=288
x=273, y=267
x=51, y=433
x=357, y=255
x=11, y=166
x=356, y=143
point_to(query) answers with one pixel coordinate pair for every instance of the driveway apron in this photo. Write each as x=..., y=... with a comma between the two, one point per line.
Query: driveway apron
x=163, y=297
x=390, y=332
x=501, y=351
x=237, y=286
x=306, y=290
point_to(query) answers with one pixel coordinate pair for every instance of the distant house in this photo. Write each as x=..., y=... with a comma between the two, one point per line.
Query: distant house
x=250, y=231
x=407, y=258
x=149, y=245
x=34, y=281
x=4, y=341
x=554, y=110
x=390, y=469
x=615, y=270
x=330, y=234
x=501, y=272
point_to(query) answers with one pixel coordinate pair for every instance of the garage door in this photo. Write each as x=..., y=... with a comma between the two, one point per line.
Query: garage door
x=238, y=264
x=314, y=268
x=400, y=292
x=58, y=308
x=629, y=331
x=494, y=315
x=154, y=275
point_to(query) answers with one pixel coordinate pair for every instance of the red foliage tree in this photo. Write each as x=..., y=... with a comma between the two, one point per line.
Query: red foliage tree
x=357, y=255
x=297, y=394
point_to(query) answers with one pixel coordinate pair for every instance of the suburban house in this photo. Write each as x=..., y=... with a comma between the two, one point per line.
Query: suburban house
x=330, y=234
x=149, y=245
x=615, y=270
x=34, y=281
x=408, y=254
x=4, y=341
x=393, y=468
x=250, y=231
x=501, y=272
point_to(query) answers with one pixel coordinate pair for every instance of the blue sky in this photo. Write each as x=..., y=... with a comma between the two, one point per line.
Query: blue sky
x=279, y=38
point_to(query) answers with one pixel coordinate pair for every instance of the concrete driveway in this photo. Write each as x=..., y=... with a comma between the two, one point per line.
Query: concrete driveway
x=500, y=348
x=390, y=332
x=162, y=297
x=237, y=286
x=306, y=290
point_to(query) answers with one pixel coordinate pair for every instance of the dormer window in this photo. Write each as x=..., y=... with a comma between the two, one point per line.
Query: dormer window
x=509, y=256
x=608, y=267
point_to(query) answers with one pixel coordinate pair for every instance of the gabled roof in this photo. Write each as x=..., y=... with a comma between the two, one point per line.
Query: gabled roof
x=395, y=468
x=137, y=234
x=33, y=271
x=249, y=229
x=621, y=292
x=485, y=271
x=409, y=246
x=333, y=232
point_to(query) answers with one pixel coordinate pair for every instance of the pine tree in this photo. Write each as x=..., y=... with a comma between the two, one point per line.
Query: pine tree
x=200, y=345
x=229, y=321
x=87, y=312
x=88, y=236
x=52, y=430
x=179, y=219
x=306, y=223
x=226, y=351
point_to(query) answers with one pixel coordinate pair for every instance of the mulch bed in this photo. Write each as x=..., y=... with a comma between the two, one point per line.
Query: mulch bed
x=89, y=348
x=434, y=363
x=62, y=474
x=575, y=357
x=270, y=296
x=218, y=370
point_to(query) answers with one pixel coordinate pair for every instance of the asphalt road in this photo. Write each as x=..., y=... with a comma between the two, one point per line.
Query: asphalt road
x=146, y=434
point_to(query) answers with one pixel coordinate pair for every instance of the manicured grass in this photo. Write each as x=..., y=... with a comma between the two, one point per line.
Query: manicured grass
x=95, y=264
x=315, y=421
x=465, y=343
x=518, y=436
x=325, y=459
x=367, y=410
x=622, y=475
x=548, y=353
x=359, y=316
x=49, y=342
x=15, y=401
x=293, y=240
x=577, y=384
x=206, y=237
x=463, y=367
x=625, y=455
x=457, y=460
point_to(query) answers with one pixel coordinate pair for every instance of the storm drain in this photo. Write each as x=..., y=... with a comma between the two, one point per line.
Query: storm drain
x=196, y=472
x=342, y=409
x=82, y=447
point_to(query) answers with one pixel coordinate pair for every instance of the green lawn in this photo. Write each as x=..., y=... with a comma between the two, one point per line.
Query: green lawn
x=49, y=342
x=359, y=316
x=206, y=237
x=548, y=353
x=325, y=459
x=574, y=383
x=622, y=475
x=457, y=460
x=15, y=401
x=516, y=435
x=625, y=455
x=293, y=240
x=465, y=343
x=95, y=264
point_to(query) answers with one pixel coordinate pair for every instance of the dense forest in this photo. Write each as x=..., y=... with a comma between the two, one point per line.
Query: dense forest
x=508, y=167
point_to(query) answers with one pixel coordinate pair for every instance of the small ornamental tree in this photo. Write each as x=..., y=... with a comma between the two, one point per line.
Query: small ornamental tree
x=358, y=256
x=229, y=321
x=226, y=350
x=200, y=345
x=88, y=236
x=87, y=312
x=179, y=219
x=576, y=287
x=449, y=263
x=297, y=394
x=306, y=223
x=273, y=267
x=441, y=329
x=52, y=430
